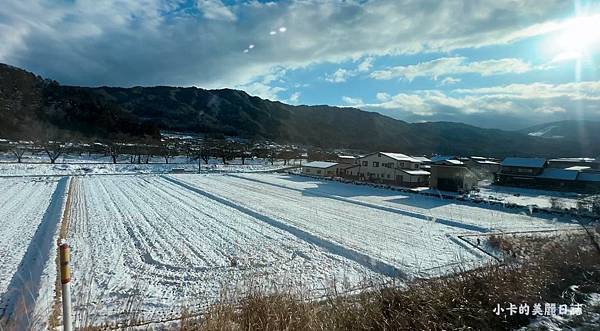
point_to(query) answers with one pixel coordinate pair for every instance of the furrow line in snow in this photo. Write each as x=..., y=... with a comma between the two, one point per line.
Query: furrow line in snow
x=447, y=222
x=333, y=247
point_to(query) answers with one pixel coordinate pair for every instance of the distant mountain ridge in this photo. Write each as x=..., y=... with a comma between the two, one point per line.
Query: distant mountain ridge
x=30, y=104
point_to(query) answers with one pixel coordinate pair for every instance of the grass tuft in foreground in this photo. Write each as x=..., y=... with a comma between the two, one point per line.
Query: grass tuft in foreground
x=540, y=270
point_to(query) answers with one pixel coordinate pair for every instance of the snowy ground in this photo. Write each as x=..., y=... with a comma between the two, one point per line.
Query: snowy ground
x=148, y=238
x=29, y=213
x=157, y=242
x=526, y=197
x=93, y=167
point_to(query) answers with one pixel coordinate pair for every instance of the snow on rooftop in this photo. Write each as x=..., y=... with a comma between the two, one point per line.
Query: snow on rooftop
x=486, y=162
x=350, y=157
x=439, y=158
x=524, y=162
x=573, y=159
x=577, y=168
x=421, y=158
x=320, y=164
x=563, y=174
x=417, y=172
x=400, y=157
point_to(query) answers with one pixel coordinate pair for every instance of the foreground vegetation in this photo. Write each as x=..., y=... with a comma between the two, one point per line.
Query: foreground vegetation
x=550, y=268
x=537, y=270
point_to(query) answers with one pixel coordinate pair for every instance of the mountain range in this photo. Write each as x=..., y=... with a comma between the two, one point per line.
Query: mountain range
x=31, y=106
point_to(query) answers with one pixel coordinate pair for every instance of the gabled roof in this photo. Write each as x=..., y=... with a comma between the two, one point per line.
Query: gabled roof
x=439, y=158
x=523, y=162
x=320, y=164
x=400, y=157
x=421, y=158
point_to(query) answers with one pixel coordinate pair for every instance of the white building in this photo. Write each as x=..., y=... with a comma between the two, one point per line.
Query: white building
x=390, y=168
x=321, y=168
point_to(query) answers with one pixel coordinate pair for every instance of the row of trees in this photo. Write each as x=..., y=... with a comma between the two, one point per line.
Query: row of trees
x=143, y=151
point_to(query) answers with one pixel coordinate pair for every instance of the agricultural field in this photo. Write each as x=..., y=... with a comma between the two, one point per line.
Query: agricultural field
x=30, y=210
x=154, y=244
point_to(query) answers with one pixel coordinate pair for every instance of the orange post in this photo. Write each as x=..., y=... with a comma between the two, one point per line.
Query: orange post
x=65, y=278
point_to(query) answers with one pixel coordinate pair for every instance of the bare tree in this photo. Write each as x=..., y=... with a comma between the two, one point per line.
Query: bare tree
x=113, y=149
x=18, y=152
x=54, y=150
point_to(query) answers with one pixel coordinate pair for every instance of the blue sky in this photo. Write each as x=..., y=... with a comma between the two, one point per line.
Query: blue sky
x=504, y=64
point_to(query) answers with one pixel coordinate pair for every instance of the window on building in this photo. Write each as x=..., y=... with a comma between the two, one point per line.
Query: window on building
x=319, y=172
x=365, y=163
x=375, y=164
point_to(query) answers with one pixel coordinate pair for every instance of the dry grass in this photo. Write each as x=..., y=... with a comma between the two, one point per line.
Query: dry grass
x=464, y=300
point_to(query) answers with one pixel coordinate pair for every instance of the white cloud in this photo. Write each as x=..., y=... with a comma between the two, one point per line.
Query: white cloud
x=550, y=109
x=215, y=10
x=294, y=98
x=449, y=81
x=263, y=90
x=381, y=96
x=451, y=66
x=153, y=42
x=365, y=65
x=352, y=101
x=506, y=106
x=339, y=76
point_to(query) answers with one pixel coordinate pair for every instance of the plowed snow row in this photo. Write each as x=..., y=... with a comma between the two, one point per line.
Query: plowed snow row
x=167, y=246
x=23, y=203
x=412, y=238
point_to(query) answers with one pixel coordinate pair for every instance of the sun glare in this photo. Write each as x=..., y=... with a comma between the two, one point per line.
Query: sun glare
x=577, y=38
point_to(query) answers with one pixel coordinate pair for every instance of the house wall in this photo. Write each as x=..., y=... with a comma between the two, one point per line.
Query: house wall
x=377, y=166
x=526, y=171
x=330, y=172
x=383, y=169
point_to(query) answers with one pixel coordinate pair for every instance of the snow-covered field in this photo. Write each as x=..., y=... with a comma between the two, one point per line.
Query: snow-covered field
x=527, y=197
x=157, y=242
x=148, y=238
x=29, y=213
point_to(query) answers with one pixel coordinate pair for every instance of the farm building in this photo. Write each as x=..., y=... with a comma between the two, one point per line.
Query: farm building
x=347, y=159
x=321, y=168
x=452, y=175
x=537, y=173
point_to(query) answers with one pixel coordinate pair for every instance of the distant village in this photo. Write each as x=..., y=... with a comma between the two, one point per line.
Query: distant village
x=462, y=174
x=441, y=172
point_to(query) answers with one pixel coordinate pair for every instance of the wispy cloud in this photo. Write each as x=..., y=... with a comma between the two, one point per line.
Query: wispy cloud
x=452, y=66
x=507, y=106
x=216, y=10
